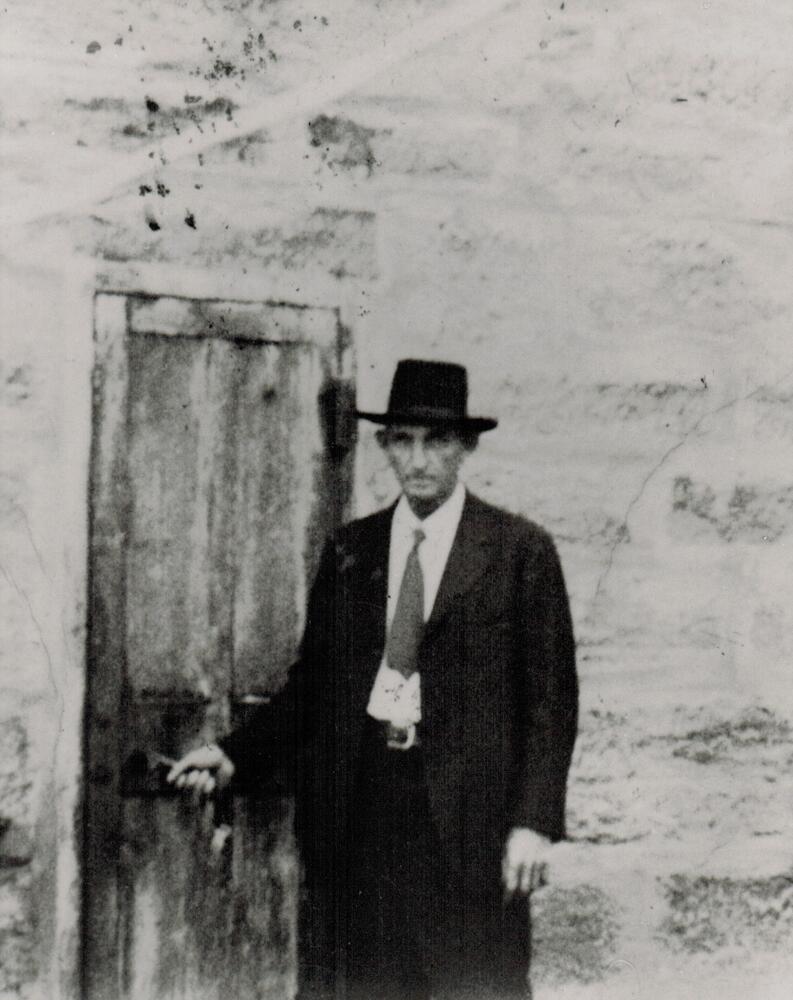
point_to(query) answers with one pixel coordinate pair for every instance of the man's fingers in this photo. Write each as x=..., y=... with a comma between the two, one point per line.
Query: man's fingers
x=524, y=878
x=178, y=773
x=202, y=771
x=509, y=873
x=200, y=780
x=204, y=782
x=206, y=758
x=191, y=761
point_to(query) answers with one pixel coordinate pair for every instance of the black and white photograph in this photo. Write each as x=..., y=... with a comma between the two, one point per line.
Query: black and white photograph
x=396, y=517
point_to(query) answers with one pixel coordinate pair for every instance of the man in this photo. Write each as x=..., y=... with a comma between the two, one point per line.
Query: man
x=427, y=729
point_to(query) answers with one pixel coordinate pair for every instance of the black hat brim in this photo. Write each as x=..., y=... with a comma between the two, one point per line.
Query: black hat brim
x=477, y=425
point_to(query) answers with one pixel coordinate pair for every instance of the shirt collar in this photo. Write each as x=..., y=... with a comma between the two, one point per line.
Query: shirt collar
x=445, y=519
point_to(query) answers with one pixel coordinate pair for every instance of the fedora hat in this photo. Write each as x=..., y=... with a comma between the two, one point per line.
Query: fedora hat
x=433, y=393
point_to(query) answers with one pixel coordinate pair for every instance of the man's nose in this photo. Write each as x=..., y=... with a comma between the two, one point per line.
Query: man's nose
x=418, y=455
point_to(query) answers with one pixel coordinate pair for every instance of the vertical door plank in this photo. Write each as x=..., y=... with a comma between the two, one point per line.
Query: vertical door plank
x=265, y=607
x=106, y=649
x=176, y=896
x=264, y=923
x=279, y=455
x=176, y=903
x=177, y=635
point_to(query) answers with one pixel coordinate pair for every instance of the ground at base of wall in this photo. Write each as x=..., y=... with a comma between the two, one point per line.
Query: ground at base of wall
x=755, y=978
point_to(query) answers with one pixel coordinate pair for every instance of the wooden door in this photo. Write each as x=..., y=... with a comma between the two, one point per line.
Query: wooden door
x=220, y=460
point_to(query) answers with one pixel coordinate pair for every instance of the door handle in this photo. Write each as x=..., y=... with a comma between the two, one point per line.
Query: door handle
x=144, y=773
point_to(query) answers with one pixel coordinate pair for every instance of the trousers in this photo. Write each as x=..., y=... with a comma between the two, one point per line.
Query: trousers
x=413, y=931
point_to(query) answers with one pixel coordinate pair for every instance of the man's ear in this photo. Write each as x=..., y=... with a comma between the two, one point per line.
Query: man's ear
x=381, y=436
x=470, y=441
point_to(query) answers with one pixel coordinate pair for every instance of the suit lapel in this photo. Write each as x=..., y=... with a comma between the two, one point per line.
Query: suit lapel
x=367, y=565
x=471, y=552
x=363, y=583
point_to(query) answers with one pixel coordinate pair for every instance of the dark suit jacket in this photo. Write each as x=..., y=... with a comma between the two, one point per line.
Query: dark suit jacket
x=499, y=692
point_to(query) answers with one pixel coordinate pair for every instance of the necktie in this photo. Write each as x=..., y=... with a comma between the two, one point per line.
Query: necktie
x=407, y=627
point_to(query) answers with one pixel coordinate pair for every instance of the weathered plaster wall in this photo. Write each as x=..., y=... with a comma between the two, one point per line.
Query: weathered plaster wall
x=44, y=430
x=587, y=203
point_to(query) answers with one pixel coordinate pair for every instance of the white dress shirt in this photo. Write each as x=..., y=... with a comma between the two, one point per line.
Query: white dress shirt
x=395, y=698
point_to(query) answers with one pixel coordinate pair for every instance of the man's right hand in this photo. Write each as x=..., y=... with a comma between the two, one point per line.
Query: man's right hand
x=203, y=770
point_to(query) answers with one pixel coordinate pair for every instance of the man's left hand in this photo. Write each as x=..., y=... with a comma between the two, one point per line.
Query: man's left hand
x=525, y=865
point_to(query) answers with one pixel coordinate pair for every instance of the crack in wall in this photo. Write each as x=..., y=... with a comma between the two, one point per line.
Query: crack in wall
x=59, y=701
x=624, y=534
x=26, y=520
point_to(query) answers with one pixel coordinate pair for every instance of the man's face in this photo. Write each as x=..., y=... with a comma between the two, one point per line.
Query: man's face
x=426, y=461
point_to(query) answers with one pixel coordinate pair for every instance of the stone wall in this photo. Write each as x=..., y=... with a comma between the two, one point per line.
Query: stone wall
x=589, y=205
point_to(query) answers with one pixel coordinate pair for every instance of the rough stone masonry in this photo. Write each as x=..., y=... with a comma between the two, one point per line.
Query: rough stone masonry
x=589, y=204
